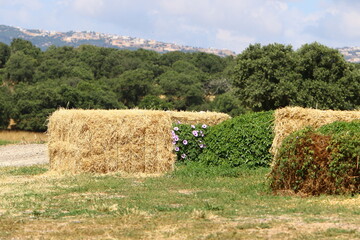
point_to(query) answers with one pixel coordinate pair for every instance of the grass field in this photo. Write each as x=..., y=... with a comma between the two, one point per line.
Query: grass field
x=190, y=203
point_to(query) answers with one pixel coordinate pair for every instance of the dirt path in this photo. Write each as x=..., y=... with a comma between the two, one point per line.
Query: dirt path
x=23, y=155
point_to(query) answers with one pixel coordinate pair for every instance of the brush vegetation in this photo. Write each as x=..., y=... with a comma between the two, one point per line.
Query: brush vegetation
x=242, y=141
x=322, y=161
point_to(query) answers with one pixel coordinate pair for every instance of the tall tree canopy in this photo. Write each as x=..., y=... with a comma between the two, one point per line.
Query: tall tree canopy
x=265, y=76
x=273, y=76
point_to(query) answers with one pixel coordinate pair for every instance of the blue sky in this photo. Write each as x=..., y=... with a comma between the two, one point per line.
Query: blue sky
x=223, y=24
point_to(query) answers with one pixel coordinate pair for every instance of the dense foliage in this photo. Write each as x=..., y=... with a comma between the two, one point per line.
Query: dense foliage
x=320, y=161
x=241, y=141
x=274, y=76
x=35, y=82
x=4, y=107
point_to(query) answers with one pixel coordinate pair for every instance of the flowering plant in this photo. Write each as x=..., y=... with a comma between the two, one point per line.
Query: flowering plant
x=188, y=140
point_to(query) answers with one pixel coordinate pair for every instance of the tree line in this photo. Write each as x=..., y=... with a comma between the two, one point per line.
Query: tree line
x=35, y=83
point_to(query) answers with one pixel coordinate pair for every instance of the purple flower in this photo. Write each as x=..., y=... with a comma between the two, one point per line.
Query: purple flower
x=177, y=149
x=195, y=133
x=172, y=133
x=174, y=142
x=185, y=142
x=176, y=128
x=192, y=126
x=176, y=138
x=201, y=145
x=204, y=126
x=178, y=122
x=183, y=155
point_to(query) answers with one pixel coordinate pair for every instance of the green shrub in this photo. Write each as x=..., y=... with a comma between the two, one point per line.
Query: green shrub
x=241, y=141
x=188, y=141
x=319, y=161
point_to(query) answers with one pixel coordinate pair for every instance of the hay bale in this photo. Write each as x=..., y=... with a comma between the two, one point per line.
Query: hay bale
x=291, y=119
x=133, y=141
x=209, y=118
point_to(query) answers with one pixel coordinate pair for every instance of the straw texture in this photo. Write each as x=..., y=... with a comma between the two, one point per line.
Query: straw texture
x=209, y=118
x=291, y=119
x=102, y=141
x=110, y=140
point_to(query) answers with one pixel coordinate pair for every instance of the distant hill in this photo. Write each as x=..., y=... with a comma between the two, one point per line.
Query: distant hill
x=44, y=39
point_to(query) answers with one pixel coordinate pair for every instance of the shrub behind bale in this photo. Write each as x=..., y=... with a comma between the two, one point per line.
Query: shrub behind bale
x=322, y=161
x=291, y=119
x=134, y=141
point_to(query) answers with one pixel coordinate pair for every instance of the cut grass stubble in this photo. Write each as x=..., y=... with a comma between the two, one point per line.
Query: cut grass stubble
x=193, y=202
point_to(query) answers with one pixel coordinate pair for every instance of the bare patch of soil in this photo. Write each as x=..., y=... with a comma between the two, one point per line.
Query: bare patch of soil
x=23, y=154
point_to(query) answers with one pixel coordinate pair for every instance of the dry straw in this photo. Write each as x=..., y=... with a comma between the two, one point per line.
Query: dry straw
x=291, y=119
x=209, y=118
x=102, y=141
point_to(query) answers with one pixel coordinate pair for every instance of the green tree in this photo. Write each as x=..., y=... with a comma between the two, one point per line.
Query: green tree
x=20, y=67
x=327, y=79
x=321, y=63
x=265, y=76
x=4, y=54
x=208, y=63
x=133, y=85
x=183, y=90
x=5, y=107
x=33, y=103
x=119, y=61
x=169, y=58
x=25, y=46
x=227, y=103
x=94, y=57
x=62, y=62
x=155, y=103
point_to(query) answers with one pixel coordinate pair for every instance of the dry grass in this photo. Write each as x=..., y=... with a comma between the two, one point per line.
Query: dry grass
x=291, y=119
x=23, y=136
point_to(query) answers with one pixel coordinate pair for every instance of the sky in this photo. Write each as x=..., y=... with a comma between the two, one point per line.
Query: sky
x=221, y=24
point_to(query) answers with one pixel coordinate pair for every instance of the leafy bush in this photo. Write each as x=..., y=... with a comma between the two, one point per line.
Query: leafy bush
x=320, y=161
x=242, y=141
x=188, y=141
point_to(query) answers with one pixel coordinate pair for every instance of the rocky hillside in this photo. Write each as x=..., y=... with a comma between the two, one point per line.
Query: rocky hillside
x=44, y=39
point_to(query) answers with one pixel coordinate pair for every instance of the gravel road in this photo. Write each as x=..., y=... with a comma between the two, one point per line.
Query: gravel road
x=23, y=154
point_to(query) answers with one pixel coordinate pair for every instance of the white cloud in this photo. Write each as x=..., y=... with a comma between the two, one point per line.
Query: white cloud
x=88, y=7
x=227, y=39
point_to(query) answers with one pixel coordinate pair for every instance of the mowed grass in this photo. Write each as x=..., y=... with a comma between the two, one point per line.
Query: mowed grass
x=191, y=203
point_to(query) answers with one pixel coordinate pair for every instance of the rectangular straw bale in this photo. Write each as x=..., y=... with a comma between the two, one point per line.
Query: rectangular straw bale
x=209, y=118
x=133, y=141
x=291, y=119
